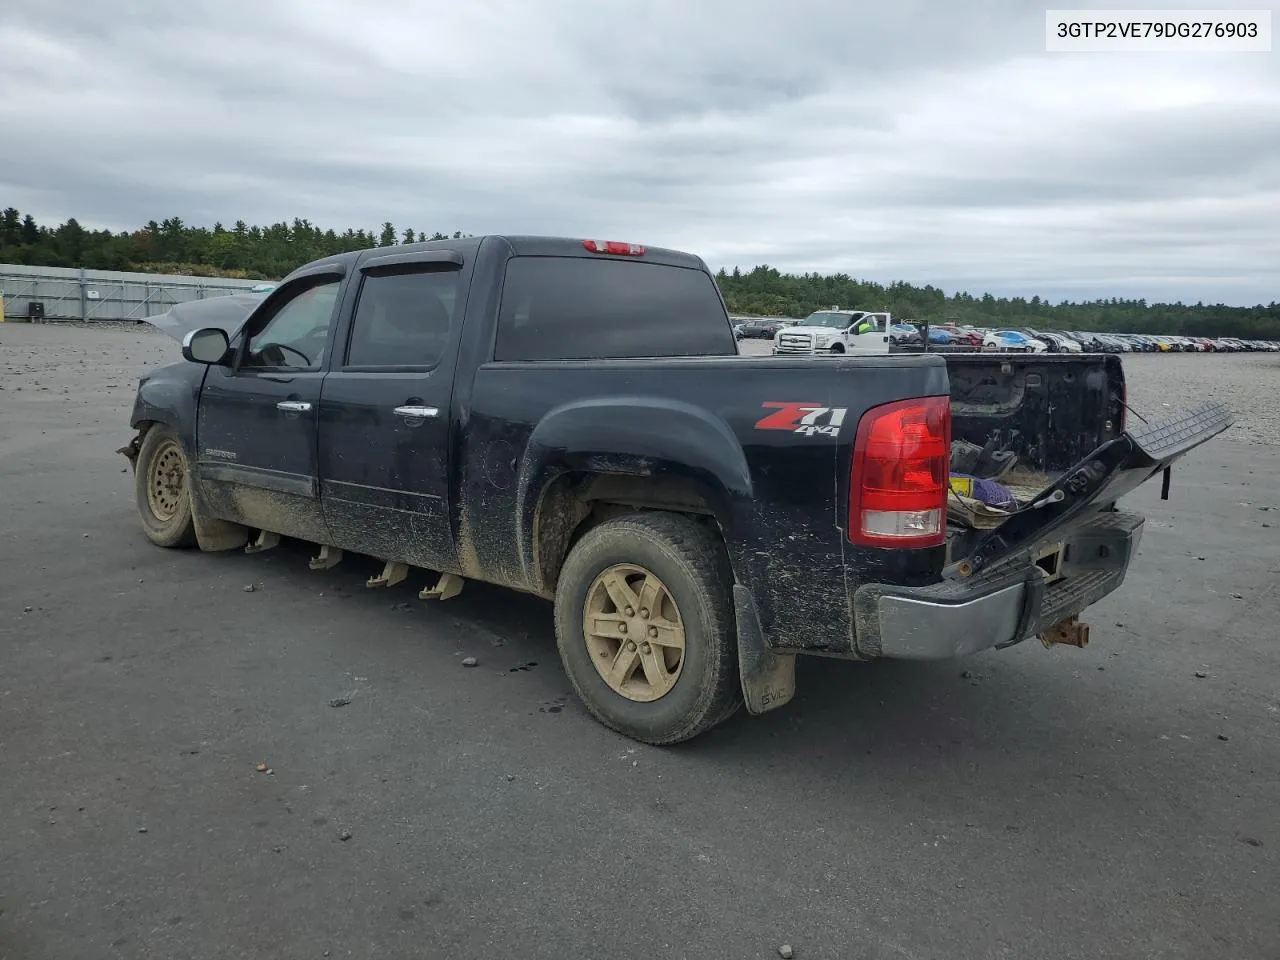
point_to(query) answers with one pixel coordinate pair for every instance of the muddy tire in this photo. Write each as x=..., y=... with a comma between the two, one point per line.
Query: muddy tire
x=161, y=489
x=645, y=627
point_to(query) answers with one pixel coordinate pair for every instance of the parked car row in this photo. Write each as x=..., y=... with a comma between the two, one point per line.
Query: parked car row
x=909, y=334
x=1028, y=340
x=1077, y=341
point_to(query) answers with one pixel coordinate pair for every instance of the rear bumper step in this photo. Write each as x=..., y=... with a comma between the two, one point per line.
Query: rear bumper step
x=1000, y=607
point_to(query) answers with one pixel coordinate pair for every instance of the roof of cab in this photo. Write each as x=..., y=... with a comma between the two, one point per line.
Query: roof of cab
x=520, y=246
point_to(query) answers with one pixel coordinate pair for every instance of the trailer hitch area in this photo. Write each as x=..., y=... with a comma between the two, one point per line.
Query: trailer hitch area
x=1069, y=632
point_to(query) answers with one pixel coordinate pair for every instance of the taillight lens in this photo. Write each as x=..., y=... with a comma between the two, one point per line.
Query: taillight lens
x=901, y=474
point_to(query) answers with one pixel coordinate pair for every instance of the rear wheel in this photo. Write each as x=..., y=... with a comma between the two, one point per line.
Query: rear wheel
x=645, y=627
x=161, y=489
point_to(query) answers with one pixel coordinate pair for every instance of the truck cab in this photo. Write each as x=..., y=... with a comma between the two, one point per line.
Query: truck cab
x=836, y=331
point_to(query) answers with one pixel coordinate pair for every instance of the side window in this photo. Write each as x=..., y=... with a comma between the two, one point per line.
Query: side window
x=296, y=335
x=403, y=319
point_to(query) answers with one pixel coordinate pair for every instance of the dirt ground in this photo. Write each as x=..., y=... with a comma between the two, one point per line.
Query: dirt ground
x=1117, y=801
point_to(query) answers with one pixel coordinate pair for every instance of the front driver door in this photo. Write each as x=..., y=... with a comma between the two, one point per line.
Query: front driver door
x=256, y=427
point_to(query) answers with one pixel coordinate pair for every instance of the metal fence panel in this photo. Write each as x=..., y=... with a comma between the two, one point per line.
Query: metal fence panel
x=72, y=294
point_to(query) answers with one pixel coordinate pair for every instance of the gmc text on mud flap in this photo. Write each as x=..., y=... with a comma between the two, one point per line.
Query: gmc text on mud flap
x=806, y=419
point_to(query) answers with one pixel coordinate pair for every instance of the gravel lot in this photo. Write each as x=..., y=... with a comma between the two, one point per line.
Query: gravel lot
x=1119, y=801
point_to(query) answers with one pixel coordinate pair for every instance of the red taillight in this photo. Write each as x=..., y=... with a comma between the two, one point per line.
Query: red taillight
x=901, y=474
x=615, y=247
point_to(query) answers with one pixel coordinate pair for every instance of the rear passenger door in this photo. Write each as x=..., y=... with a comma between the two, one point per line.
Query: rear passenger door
x=384, y=455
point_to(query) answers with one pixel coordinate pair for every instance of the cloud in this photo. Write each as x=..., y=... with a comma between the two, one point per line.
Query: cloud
x=937, y=144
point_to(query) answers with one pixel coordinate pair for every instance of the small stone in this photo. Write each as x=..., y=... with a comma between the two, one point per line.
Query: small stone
x=511, y=778
x=26, y=609
x=344, y=836
x=1250, y=841
x=142, y=829
x=339, y=701
x=249, y=588
x=1236, y=596
x=1200, y=675
x=1102, y=668
x=1267, y=525
x=1223, y=737
x=967, y=675
x=262, y=768
x=785, y=952
x=470, y=662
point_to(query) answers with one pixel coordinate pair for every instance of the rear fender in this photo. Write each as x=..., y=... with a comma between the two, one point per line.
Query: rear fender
x=633, y=437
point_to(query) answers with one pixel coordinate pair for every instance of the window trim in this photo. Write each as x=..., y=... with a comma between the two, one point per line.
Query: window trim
x=404, y=264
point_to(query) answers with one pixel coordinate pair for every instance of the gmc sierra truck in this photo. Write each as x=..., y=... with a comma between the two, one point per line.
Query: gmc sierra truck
x=572, y=419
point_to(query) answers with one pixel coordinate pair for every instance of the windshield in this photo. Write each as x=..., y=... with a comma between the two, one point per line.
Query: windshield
x=837, y=321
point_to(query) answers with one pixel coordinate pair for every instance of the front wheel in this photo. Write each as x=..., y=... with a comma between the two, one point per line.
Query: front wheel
x=161, y=489
x=645, y=627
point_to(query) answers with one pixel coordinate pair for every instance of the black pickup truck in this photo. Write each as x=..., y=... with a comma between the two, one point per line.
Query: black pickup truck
x=572, y=419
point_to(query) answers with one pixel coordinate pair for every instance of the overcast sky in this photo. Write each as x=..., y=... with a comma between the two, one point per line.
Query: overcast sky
x=933, y=143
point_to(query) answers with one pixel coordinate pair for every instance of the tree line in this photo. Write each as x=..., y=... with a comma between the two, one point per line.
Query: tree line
x=268, y=253
x=172, y=246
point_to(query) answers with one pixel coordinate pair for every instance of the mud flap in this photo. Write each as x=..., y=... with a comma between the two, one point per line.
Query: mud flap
x=1114, y=469
x=768, y=678
x=213, y=535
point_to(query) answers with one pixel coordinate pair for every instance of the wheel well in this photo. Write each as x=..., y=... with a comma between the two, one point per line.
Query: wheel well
x=576, y=502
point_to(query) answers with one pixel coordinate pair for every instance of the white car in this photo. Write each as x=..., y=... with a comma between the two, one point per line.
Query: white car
x=1013, y=341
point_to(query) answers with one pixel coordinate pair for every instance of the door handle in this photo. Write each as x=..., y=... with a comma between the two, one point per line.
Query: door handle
x=417, y=413
x=294, y=406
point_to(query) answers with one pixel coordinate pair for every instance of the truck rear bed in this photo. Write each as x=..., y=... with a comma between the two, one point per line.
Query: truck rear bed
x=1065, y=420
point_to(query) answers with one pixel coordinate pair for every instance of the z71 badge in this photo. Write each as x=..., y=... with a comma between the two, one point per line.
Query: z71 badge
x=805, y=418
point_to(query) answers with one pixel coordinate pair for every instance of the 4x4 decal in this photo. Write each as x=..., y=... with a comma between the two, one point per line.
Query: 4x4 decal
x=804, y=418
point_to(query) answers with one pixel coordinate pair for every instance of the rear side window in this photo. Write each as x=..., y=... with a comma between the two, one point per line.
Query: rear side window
x=403, y=319
x=579, y=308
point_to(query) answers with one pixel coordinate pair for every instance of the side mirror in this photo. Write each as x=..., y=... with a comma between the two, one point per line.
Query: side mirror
x=209, y=345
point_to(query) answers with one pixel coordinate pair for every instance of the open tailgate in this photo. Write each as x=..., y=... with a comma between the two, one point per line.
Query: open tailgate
x=1095, y=482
